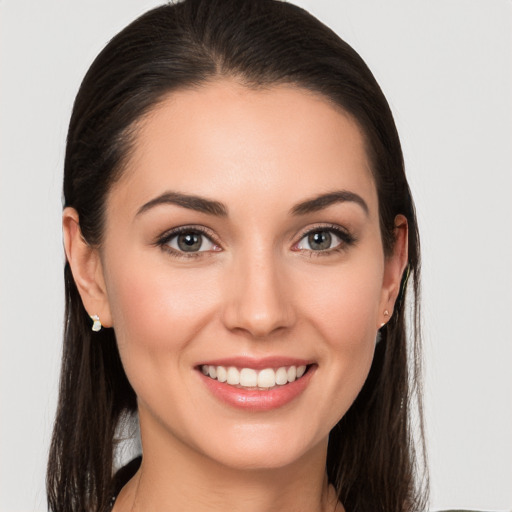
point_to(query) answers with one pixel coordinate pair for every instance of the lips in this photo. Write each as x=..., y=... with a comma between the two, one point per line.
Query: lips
x=256, y=385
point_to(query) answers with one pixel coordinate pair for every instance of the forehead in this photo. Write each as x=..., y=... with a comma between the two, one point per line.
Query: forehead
x=224, y=139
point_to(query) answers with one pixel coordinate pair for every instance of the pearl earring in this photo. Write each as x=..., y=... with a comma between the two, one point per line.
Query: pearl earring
x=96, y=326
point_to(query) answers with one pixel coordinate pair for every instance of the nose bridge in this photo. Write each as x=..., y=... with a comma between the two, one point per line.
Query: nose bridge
x=258, y=298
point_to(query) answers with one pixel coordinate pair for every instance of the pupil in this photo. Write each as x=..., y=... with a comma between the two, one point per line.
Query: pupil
x=320, y=240
x=189, y=242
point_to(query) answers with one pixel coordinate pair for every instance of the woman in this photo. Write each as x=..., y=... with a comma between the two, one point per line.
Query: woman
x=239, y=232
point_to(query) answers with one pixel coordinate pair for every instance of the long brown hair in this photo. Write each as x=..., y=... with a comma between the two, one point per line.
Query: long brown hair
x=371, y=453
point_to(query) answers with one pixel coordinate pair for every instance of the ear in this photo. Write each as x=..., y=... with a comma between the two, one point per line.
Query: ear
x=86, y=267
x=394, y=267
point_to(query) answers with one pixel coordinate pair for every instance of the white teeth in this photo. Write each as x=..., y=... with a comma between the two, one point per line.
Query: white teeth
x=250, y=378
x=222, y=374
x=267, y=378
x=281, y=377
x=233, y=376
x=291, y=374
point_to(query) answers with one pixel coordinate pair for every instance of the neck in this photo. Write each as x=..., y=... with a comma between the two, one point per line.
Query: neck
x=175, y=478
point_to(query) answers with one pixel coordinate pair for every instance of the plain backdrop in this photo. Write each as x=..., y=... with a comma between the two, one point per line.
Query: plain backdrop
x=445, y=67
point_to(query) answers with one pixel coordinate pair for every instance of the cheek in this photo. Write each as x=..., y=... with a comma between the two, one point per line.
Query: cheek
x=344, y=304
x=343, y=307
x=158, y=311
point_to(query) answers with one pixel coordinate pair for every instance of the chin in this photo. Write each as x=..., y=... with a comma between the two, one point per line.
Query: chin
x=263, y=447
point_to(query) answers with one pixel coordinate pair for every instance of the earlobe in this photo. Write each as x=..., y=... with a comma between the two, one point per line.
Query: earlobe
x=86, y=268
x=395, y=266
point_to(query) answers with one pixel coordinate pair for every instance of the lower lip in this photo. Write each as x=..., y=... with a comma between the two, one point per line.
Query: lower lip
x=258, y=399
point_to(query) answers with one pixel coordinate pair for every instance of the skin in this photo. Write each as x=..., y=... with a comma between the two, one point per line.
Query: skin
x=257, y=290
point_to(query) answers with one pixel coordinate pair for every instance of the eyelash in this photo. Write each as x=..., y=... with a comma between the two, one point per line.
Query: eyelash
x=346, y=240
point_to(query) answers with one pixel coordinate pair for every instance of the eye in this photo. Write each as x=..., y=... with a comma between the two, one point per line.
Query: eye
x=321, y=240
x=188, y=241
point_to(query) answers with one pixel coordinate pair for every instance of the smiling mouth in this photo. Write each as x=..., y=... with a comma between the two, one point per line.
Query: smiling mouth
x=249, y=378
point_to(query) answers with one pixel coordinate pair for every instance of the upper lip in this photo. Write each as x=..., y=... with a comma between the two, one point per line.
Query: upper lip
x=257, y=363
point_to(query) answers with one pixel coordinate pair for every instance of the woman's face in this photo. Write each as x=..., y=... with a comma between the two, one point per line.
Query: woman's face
x=243, y=241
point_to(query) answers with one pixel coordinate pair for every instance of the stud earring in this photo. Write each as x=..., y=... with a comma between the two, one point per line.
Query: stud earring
x=386, y=314
x=96, y=326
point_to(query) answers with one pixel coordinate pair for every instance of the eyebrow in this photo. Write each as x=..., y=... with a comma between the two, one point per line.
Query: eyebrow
x=197, y=203
x=217, y=208
x=324, y=200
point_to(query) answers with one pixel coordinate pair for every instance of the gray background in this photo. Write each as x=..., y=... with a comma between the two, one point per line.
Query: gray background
x=445, y=66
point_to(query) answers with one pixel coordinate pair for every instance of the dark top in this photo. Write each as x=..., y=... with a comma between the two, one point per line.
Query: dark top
x=128, y=471
x=121, y=478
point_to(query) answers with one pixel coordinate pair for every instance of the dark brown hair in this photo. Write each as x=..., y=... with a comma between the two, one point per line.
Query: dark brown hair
x=371, y=454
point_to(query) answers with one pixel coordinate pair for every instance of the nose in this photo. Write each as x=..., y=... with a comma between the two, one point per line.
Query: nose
x=259, y=297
